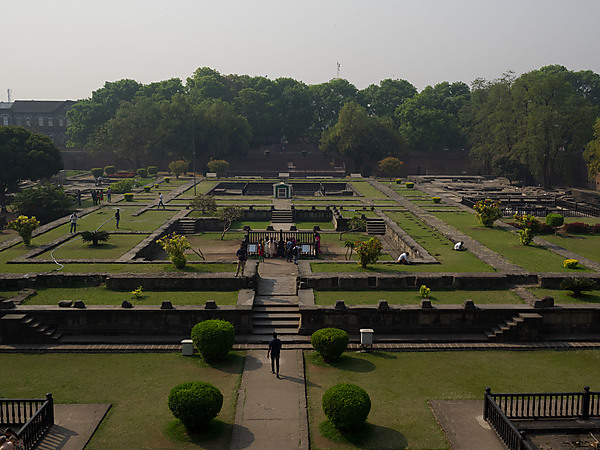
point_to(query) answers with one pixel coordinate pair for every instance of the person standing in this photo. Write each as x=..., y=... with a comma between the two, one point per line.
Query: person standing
x=73, y=219
x=160, y=201
x=117, y=217
x=274, y=352
x=94, y=197
x=242, y=256
x=261, y=251
x=108, y=194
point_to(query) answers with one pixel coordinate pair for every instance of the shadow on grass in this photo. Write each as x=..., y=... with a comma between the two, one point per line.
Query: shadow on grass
x=584, y=298
x=365, y=436
x=213, y=437
x=232, y=363
x=345, y=362
x=384, y=355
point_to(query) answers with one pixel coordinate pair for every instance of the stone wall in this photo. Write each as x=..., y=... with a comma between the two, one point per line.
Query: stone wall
x=405, y=242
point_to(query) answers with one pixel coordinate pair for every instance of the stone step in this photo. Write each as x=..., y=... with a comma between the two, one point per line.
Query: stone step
x=269, y=330
x=277, y=301
x=276, y=315
x=279, y=309
x=276, y=323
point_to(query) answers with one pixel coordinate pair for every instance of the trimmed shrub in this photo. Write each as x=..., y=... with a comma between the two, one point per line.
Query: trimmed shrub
x=424, y=291
x=167, y=179
x=330, y=343
x=128, y=197
x=110, y=170
x=409, y=185
x=398, y=180
x=95, y=236
x=147, y=188
x=346, y=405
x=152, y=170
x=487, y=212
x=436, y=199
x=97, y=172
x=156, y=186
x=122, y=186
x=578, y=285
x=213, y=339
x=195, y=403
x=143, y=173
x=570, y=263
x=555, y=220
x=576, y=228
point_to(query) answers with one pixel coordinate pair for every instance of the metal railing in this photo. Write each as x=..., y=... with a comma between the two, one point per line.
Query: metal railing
x=304, y=239
x=33, y=417
x=504, y=428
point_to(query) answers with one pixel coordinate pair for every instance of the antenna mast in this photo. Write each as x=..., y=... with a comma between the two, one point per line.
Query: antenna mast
x=338, y=71
x=8, y=93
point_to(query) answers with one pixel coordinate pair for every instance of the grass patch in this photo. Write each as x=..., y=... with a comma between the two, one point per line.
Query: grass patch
x=253, y=224
x=100, y=295
x=401, y=384
x=310, y=225
x=412, y=297
x=116, y=246
x=137, y=385
x=367, y=190
x=587, y=245
x=506, y=243
x=560, y=296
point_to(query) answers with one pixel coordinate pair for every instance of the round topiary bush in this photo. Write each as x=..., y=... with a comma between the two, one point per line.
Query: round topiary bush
x=128, y=197
x=142, y=172
x=195, y=403
x=213, y=338
x=409, y=185
x=147, y=188
x=97, y=172
x=167, y=179
x=152, y=170
x=555, y=220
x=330, y=343
x=398, y=180
x=346, y=405
x=436, y=199
x=110, y=170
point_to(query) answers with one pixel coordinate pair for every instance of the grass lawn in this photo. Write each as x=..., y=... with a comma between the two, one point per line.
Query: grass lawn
x=438, y=246
x=137, y=385
x=560, y=296
x=530, y=257
x=310, y=225
x=412, y=297
x=367, y=190
x=101, y=296
x=254, y=224
x=116, y=246
x=587, y=245
x=401, y=384
x=7, y=234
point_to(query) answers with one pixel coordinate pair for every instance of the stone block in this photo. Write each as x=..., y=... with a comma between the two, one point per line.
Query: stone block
x=340, y=305
x=79, y=304
x=65, y=303
x=469, y=305
x=426, y=304
x=166, y=305
x=210, y=304
x=126, y=304
x=383, y=305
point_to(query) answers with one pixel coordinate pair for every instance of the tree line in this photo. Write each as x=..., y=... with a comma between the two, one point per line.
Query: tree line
x=527, y=128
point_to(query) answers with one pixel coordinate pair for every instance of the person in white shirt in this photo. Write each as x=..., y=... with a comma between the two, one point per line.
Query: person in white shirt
x=459, y=247
x=403, y=259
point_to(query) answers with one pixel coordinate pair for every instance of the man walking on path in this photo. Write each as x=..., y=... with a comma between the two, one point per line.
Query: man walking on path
x=74, y=220
x=160, y=201
x=117, y=217
x=274, y=351
x=242, y=256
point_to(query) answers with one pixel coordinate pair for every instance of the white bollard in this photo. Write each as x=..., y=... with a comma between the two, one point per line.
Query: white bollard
x=187, y=347
x=366, y=338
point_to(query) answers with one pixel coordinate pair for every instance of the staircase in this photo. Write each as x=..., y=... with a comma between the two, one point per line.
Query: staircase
x=186, y=225
x=28, y=329
x=282, y=216
x=523, y=327
x=376, y=226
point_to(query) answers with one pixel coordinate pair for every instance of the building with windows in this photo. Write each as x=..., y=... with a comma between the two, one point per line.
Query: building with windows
x=47, y=117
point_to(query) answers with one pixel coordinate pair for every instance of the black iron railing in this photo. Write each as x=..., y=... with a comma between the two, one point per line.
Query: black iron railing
x=304, y=239
x=32, y=417
x=504, y=428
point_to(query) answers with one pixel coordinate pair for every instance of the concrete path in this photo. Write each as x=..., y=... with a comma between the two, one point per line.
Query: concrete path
x=271, y=412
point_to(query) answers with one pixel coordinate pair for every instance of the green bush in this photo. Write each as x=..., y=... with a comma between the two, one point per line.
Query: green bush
x=555, y=220
x=577, y=285
x=487, y=212
x=122, y=186
x=147, y=188
x=167, y=179
x=213, y=338
x=97, y=172
x=398, y=180
x=330, y=343
x=152, y=170
x=95, y=236
x=110, y=170
x=570, y=263
x=436, y=199
x=128, y=197
x=409, y=185
x=346, y=405
x=143, y=173
x=195, y=403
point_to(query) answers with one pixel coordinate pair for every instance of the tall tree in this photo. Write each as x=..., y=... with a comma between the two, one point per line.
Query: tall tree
x=328, y=99
x=592, y=152
x=383, y=100
x=25, y=156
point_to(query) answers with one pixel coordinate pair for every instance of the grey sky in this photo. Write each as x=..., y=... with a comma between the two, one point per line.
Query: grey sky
x=65, y=49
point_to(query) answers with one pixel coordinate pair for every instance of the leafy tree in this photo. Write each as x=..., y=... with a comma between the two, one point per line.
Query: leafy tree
x=47, y=202
x=487, y=212
x=528, y=225
x=25, y=156
x=175, y=245
x=295, y=110
x=87, y=117
x=328, y=100
x=383, y=100
x=25, y=226
x=206, y=83
x=390, y=166
x=204, y=203
x=368, y=251
x=357, y=223
x=227, y=215
x=95, y=237
x=592, y=152
x=178, y=167
x=218, y=166
x=360, y=138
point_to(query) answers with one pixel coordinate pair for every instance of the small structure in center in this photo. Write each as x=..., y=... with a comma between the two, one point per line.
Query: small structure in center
x=282, y=190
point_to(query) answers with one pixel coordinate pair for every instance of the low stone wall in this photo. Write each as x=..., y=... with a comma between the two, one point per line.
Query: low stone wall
x=553, y=280
x=179, y=281
x=405, y=242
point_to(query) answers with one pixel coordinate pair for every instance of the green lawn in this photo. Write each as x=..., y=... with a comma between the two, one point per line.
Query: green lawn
x=137, y=386
x=412, y=297
x=116, y=246
x=401, y=385
x=560, y=296
x=310, y=225
x=367, y=190
x=530, y=257
x=201, y=188
x=587, y=245
x=101, y=296
x=438, y=246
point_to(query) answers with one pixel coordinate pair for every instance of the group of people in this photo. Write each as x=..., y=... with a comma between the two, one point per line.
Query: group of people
x=272, y=248
x=403, y=258
x=10, y=441
x=98, y=196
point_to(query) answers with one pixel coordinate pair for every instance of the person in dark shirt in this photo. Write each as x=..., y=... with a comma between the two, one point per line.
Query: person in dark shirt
x=117, y=217
x=242, y=256
x=274, y=351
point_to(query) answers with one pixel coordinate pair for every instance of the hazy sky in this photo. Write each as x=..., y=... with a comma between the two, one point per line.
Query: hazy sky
x=65, y=49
